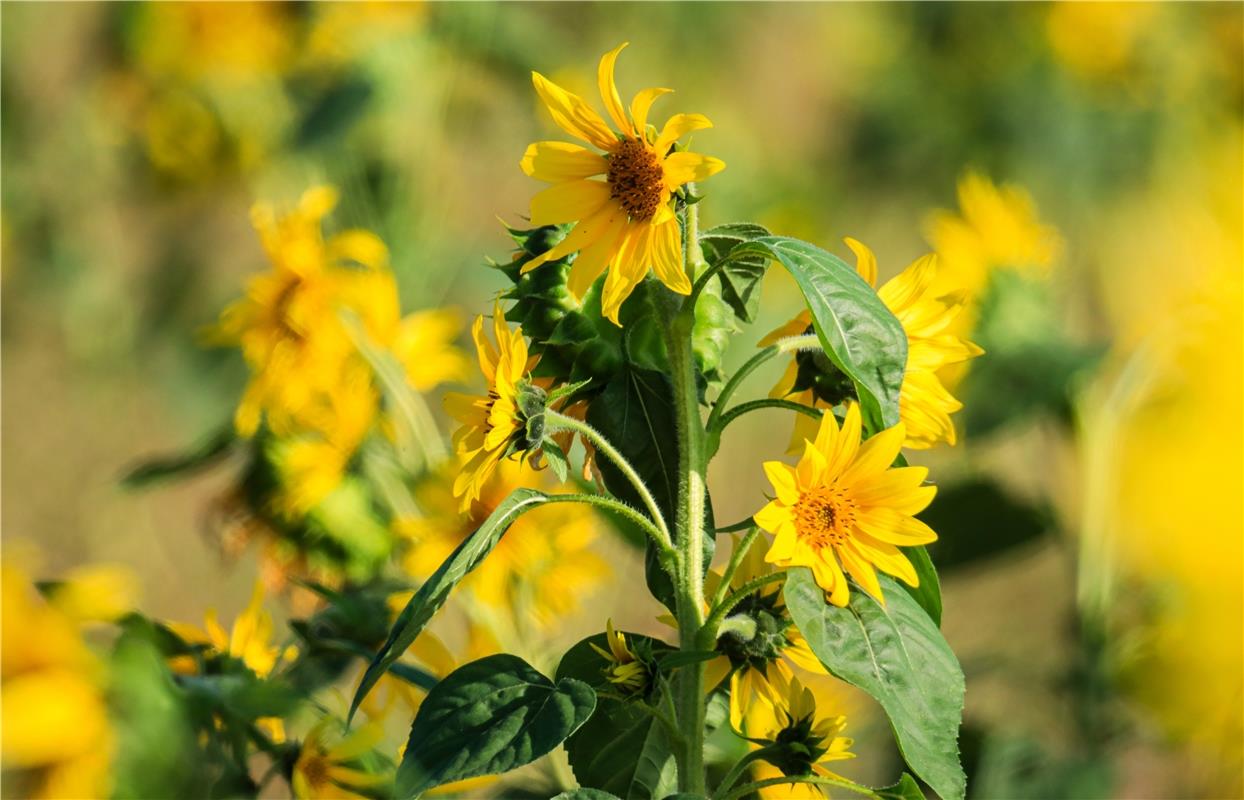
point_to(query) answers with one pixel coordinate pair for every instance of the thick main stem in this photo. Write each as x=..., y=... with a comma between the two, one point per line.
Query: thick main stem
x=689, y=523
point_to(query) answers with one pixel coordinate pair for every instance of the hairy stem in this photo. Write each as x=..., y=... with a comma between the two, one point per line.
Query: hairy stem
x=788, y=345
x=708, y=634
x=613, y=506
x=756, y=405
x=736, y=558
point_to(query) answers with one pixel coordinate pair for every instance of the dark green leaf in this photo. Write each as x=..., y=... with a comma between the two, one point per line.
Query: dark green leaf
x=206, y=453
x=585, y=794
x=979, y=520
x=905, y=789
x=896, y=654
x=740, y=279
x=929, y=593
x=858, y=332
x=433, y=593
x=556, y=460
x=333, y=111
x=621, y=749
x=489, y=717
x=683, y=658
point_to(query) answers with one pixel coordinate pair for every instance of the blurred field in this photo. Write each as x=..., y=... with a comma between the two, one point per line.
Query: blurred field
x=1104, y=652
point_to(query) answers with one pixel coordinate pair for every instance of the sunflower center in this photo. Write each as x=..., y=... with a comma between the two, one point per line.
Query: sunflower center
x=636, y=179
x=315, y=771
x=824, y=516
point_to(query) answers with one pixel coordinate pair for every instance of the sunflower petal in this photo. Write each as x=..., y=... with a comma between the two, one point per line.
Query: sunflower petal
x=570, y=201
x=679, y=168
x=609, y=88
x=572, y=114
x=561, y=161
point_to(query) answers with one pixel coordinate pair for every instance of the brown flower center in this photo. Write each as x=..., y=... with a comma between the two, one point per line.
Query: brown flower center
x=824, y=516
x=636, y=179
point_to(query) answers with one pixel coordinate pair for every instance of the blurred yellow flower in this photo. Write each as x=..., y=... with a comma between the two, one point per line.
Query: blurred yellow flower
x=55, y=737
x=325, y=767
x=95, y=592
x=625, y=222
x=424, y=343
x=808, y=738
x=844, y=503
x=249, y=641
x=995, y=227
x=540, y=569
x=759, y=667
x=215, y=41
x=1098, y=40
x=490, y=424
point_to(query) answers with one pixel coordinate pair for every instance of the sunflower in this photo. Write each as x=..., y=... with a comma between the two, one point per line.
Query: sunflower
x=844, y=506
x=757, y=667
x=328, y=769
x=924, y=404
x=494, y=425
x=538, y=572
x=625, y=222
x=625, y=671
x=800, y=737
x=249, y=640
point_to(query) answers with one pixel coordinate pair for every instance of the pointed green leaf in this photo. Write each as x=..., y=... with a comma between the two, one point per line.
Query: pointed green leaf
x=489, y=717
x=929, y=591
x=860, y=335
x=435, y=591
x=740, y=278
x=905, y=789
x=212, y=449
x=896, y=654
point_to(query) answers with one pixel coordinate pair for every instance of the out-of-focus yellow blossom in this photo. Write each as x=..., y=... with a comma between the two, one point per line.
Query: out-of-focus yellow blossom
x=625, y=670
x=183, y=136
x=797, y=716
x=995, y=227
x=1098, y=40
x=625, y=222
x=424, y=343
x=324, y=768
x=490, y=424
x=249, y=641
x=925, y=405
x=95, y=592
x=758, y=668
x=219, y=41
x=843, y=506
x=540, y=569
x=289, y=324
x=343, y=32
x=55, y=737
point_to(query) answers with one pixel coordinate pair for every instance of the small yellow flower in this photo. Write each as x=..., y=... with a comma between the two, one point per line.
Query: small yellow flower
x=996, y=227
x=55, y=736
x=539, y=571
x=249, y=641
x=924, y=405
x=843, y=506
x=625, y=670
x=625, y=222
x=492, y=424
x=806, y=740
x=760, y=667
x=324, y=768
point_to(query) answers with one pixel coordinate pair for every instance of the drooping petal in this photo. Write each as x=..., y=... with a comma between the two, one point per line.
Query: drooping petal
x=587, y=231
x=678, y=126
x=609, y=88
x=641, y=105
x=572, y=114
x=593, y=259
x=666, y=256
x=628, y=269
x=679, y=168
x=861, y=570
x=886, y=557
x=570, y=201
x=561, y=161
x=865, y=260
x=488, y=355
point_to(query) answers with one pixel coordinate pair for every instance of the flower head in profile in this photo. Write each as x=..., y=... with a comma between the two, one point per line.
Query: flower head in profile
x=505, y=421
x=759, y=667
x=249, y=640
x=844, y=507
x=626, y=221
x=798, y=737
x=328, y=764
x=924, y=404
x=625, y=670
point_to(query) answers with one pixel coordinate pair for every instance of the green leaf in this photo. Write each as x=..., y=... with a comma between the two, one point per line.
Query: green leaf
x=978, y=519
x=556, y=459
x=622, y=748
x=896, y=654
x=212, y=449
x=585, y=794
x=740, y=278
x=929, y=593
x=435, y=591
x=860, y=335
x=333, y=112
x=488, y=717
x=905, y=789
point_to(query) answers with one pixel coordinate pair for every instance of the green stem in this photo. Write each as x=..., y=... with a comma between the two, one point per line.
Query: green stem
x=690, y=522
x=747, y=523
x=606, y=503
x=756, y=405
x=736, y=558
x=739, y=768
x=557, y=421
x=709, y=633
x=788, y=345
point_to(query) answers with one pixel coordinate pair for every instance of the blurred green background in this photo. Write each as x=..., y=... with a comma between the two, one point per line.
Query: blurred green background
x=1092, y=546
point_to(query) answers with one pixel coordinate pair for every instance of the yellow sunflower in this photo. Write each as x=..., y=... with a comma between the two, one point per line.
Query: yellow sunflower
x=625, y=222
x=924, y=404
x=796, y=718
x=491, y=424
x=327, y=769
x=757, y=667
x=538, y=572
x=843, y=506
x=249, y=640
